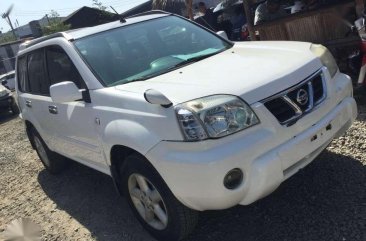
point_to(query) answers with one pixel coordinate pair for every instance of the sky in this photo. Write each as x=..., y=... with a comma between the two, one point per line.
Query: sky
x=25, y=11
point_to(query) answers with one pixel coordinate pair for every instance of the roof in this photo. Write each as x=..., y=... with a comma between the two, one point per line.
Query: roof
x=83, y=32
x=116, y=24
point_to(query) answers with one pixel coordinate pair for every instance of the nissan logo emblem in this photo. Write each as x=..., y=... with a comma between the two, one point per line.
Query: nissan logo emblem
x=302, y=97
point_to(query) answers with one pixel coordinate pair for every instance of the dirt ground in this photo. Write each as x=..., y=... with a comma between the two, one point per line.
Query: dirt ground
x=325, y=201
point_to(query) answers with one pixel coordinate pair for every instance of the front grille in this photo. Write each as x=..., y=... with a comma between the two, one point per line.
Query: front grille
x=292, y=104
x=318, y=87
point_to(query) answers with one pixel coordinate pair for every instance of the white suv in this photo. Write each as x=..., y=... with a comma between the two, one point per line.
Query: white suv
x=182, y=119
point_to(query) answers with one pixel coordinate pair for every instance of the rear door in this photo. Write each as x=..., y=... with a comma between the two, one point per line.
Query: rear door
x=67, y=128
x=34, y=93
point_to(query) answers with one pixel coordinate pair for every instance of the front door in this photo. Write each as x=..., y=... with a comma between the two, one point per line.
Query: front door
x=75, y=129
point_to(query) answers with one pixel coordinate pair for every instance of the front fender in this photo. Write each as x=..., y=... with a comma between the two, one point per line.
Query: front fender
x=129, y=134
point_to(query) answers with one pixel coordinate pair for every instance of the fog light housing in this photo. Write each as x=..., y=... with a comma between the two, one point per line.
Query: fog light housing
x=233, y=179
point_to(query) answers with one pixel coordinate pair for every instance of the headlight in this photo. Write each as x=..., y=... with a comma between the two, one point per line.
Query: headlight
x=214, y=116
x=326, y=57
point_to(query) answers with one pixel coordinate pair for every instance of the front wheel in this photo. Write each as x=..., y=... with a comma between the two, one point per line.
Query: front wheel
x=153, y=203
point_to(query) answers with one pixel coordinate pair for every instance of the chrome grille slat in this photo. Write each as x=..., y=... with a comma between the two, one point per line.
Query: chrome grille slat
x=298, y=100
x=311, y=94
x=292, y=104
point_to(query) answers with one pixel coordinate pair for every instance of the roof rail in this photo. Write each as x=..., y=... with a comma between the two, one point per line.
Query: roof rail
x=51, y=36
x=149, y=13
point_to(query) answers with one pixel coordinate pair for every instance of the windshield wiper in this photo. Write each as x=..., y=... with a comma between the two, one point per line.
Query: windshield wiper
x=194, y=59
x=138, y=79
x=185, y=62
x=143, y=78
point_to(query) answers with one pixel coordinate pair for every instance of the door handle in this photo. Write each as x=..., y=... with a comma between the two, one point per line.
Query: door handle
x=28, y=103
x=53, y=109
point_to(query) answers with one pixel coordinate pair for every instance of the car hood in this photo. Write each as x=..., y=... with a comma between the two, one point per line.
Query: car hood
x=253, y=71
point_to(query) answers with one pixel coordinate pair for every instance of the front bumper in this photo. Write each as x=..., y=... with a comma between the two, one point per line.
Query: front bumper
x=267, y=155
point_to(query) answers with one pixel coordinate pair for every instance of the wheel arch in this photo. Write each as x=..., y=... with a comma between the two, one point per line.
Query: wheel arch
x=28, y=129
x=118, y=155
x=122, y=138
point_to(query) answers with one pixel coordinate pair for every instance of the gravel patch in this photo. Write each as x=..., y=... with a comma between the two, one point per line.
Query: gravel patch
x=325, y=201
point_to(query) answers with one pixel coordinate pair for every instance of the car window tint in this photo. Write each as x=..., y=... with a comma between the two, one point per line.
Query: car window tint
x=22, y=74
x=36, y=74
x=60, y=67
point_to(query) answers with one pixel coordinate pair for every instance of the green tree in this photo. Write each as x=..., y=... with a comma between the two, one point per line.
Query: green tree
x=53, y=15
x=7, y=37
x=55, y=24
x=104, y=15
x=99, y=5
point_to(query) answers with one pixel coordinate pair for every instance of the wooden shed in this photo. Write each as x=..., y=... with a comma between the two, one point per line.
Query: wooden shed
x=318, y=26
x=323, y=26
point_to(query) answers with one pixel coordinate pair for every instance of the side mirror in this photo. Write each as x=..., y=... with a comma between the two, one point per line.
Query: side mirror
x=65, y=91
x=156, y=98
x=223, y=34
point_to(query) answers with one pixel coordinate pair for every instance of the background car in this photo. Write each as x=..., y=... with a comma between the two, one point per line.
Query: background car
x=7, y=101
x=8, y=80
x=228, y=17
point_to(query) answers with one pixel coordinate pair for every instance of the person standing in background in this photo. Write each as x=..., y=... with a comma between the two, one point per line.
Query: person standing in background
x=206, y=17
x=269, y=10
x=208, y=3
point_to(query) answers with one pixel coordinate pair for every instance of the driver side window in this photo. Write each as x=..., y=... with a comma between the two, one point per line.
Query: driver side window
x=61, y=68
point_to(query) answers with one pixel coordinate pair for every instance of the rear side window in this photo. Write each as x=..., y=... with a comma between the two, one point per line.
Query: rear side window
x=36, y=73
x=22, y=75
x=60, y=67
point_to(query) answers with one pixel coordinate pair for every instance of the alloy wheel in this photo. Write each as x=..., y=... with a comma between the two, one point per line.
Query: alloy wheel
x=148, y=201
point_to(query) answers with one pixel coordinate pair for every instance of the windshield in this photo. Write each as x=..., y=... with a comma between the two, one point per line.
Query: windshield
x=147, y=49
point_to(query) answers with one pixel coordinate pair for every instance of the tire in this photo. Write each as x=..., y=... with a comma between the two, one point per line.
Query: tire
x=180, y=221
x=53, y=162
x=14, y=108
